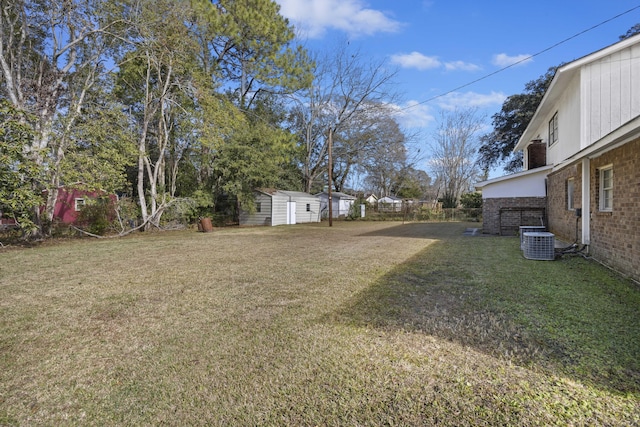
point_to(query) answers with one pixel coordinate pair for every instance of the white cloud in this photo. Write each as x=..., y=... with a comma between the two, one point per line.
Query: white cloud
x=423, y=62
x=413, y=115
x=315, y=17
x=461, y=65
x=504, y=60
x=416, y=60
x=426, y=4
x=471, y=99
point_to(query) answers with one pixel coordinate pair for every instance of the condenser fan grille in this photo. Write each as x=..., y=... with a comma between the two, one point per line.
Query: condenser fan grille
x=539, y=245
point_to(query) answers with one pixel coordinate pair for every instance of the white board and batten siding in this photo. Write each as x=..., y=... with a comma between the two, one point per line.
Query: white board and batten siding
x=611, y=90
x=593, y=96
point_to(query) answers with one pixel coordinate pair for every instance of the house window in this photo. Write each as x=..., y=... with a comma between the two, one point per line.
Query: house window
x=308, y=207
x=570, y=192
x=553, y=129
x=258, y=207
x=606, y=188
x=79, y=203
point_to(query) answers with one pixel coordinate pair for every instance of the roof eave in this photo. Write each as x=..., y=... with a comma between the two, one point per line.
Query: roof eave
x=520, y=174
x=562, y=77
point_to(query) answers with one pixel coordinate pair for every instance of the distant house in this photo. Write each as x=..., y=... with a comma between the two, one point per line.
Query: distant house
x=279, y=207
x=389, y=204
x=71, y=200
x=371, y=199
x=342, y=204
x=7, y=222
x=581, y=155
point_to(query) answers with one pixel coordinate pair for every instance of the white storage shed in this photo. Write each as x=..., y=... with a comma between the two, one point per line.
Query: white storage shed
x=280, y=207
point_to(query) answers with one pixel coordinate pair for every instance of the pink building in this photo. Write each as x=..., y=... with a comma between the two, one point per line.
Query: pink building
x=71, y=200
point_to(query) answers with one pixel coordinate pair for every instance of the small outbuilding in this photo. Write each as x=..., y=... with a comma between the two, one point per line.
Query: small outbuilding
x=72, y=199
x=390, y=204
x=342, y=203
x=280, y=207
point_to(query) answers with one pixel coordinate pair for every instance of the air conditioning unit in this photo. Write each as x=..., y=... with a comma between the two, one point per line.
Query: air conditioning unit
x=529, y=229
x=539, y=245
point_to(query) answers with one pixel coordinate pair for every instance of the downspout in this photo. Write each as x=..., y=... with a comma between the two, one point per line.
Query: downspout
x=586, y=201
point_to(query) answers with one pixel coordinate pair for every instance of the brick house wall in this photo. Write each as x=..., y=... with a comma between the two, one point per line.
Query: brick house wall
x=504, y=215
x=615, y=235
x=562, y=220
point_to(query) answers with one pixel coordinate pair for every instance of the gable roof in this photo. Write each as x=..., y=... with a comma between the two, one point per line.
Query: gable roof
x=560, y=81
x=267, y=191
x=390, y=199
x=338, y=195
x=295, y=194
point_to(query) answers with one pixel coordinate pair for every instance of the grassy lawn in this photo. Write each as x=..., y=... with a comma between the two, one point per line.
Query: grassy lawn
x=358, y=324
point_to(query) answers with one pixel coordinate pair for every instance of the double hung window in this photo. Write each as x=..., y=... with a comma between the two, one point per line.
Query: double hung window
x=606, y=189
x=78, y=204
x=553, y=129
x=570, y=192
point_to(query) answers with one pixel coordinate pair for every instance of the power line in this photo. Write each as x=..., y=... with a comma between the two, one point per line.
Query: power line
x=517, y=62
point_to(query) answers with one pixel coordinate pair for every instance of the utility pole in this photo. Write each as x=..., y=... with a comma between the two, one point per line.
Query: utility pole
x=330, y=184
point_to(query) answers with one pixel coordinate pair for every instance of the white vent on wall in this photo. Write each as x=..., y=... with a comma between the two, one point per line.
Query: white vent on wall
x=539, y=246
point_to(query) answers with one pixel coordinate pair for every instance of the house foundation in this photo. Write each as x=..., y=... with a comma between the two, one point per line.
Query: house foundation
x=504, y=215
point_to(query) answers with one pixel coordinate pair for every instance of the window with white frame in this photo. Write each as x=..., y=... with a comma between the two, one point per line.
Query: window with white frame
x=605, y=193
x=79, y=202
x=570, y=191
x=258, y=207
x=553, y=129
x=308, y=207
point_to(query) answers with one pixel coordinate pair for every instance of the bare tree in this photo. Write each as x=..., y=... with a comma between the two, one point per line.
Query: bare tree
x=347, y=89
x=386, y=159
x=454, y=150
x=369, y=135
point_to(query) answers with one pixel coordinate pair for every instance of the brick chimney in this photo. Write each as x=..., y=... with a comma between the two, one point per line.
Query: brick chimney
x=537, y=154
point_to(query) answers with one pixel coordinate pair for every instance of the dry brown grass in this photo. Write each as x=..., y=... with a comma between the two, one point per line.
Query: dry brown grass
x=358, y=324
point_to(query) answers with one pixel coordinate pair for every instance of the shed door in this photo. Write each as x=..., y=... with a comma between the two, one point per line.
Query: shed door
x=291, y=213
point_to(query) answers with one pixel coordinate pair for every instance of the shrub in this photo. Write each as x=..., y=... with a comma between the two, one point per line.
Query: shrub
x=95, y=216
x=471, y=200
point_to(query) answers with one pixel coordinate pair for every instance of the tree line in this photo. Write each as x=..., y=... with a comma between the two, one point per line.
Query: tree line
x=182, y=101
x=187, y=103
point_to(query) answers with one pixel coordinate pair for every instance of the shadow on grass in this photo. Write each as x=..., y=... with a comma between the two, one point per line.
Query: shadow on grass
x=423, y=230
x=570, y=317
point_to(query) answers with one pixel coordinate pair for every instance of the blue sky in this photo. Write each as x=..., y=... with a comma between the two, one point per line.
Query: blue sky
x=440, y=45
